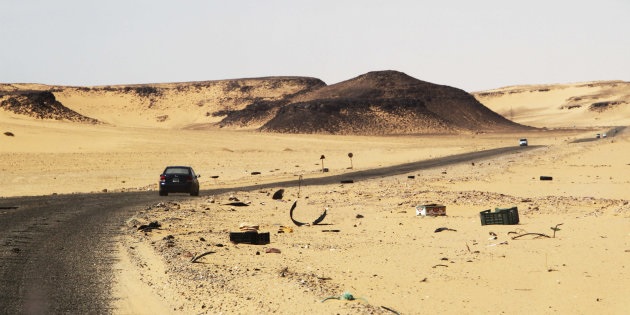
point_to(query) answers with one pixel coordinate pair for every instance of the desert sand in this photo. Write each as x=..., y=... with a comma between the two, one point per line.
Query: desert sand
x=371, y=244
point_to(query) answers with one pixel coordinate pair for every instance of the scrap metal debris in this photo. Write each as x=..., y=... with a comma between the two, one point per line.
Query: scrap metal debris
x=298, y=223
x=196, y=257
x=443, y=229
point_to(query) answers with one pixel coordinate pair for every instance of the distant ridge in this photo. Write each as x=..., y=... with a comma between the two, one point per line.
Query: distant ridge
x=375, y=103
x=569, y=105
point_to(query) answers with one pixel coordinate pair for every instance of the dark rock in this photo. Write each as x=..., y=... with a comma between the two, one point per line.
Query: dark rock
x=278, y=194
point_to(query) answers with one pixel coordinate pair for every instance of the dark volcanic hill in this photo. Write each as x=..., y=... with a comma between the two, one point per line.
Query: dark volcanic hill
x=41, y=105
x=376, y=103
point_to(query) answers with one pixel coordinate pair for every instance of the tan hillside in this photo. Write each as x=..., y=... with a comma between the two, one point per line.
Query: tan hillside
x=171, y=105
x=604, y=103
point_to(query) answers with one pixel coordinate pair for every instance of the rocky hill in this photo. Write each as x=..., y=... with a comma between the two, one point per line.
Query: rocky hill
x=386, y=102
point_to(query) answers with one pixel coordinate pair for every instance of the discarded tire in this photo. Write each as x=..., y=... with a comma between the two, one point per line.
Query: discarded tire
x=546, y=178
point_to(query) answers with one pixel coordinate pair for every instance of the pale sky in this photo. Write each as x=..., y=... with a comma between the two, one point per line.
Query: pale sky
x=472, y=45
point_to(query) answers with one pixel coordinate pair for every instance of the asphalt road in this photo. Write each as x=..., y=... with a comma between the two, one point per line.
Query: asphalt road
x=610, y=133
x=57, y=252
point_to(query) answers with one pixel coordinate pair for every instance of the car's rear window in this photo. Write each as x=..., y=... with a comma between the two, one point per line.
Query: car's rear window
x=177, y=171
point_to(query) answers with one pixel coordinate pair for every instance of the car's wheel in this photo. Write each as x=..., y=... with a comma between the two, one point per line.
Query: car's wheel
x=163, y=193
x=194, y=193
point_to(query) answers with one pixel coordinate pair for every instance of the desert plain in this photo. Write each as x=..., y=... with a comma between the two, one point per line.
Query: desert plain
x=569, y=253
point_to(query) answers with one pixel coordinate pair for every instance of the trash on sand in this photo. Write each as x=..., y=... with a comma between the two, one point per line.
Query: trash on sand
x=285, y=229
x=390, y=309
x=556, y=229
x=331, y=230
x=254, y=238
x=502, y=243
x=248, y=227
x=298, y=223
x=237, y=204
x=196, y=257
x=347, y=296
x=546, y=178
x=499, y=216
x=443, y=229
x=272, y=251
x=440, y=265
x=536, y=235
x=431, y=210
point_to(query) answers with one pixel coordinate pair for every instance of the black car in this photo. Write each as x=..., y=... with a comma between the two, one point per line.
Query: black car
x=179, y=179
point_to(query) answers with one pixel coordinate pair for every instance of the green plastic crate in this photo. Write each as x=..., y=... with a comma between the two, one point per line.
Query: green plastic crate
x=506, y=216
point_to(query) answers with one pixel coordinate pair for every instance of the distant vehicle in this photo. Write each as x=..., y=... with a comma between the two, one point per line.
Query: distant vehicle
x=522, y=142
x=603, y=135
x=597, y=136
x=179, y=179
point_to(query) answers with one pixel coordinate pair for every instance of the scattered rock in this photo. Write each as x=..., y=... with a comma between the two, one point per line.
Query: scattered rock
x=278, y=194
x=149, y=227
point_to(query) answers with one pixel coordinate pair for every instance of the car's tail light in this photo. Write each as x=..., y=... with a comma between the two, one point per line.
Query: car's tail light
x=162, y=178
x=190, y=178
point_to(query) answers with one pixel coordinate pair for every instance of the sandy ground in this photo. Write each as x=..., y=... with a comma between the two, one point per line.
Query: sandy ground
x=380, y=251
x=390, y=257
